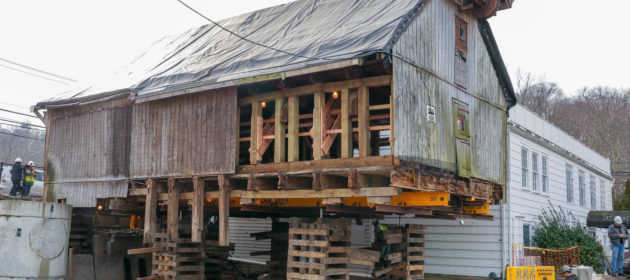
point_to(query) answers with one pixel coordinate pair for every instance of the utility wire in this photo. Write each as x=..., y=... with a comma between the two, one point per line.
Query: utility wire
x=33, y=74
x=14, y=105
x=20, y=126
x=249, y=40
x=18, y=113
x=17, y=135
x=37, y=70
x=22, y=123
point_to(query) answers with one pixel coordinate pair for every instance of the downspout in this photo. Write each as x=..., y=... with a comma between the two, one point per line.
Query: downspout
x=508, y=212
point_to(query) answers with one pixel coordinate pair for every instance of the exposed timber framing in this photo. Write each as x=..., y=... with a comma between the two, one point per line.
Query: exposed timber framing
x=150, y=211
x=197, y=211
x=293, y=132
x=364, y=122
x=172, y=215
x=224, y=211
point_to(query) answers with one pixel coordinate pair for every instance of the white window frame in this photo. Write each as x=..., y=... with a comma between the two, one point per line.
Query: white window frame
x=569, y=182
x=593, y=192
x=602, y=193
x=582, y=187
x=534, y=171
x=545, y=175
x=524, y=163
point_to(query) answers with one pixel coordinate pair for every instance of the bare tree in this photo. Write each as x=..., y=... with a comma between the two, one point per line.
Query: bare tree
x=537, y=93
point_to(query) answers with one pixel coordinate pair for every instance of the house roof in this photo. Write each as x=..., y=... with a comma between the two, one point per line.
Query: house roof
x=316, y=31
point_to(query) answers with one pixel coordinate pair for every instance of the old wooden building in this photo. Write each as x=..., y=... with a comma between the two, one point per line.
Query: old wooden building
x=312, y=108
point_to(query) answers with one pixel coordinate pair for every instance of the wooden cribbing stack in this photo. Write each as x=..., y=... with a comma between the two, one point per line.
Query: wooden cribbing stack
x=318, y=250
x=182, y=259
x=411, y=267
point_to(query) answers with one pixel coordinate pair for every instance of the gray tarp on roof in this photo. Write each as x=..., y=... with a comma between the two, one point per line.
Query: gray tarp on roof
x=332, y=29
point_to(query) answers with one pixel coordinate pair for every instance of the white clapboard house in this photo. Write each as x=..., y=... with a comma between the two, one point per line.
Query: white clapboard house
x=546, y=166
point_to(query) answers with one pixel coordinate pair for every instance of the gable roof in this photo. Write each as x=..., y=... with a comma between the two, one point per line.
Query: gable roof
x=316, y=31
x=326, y=30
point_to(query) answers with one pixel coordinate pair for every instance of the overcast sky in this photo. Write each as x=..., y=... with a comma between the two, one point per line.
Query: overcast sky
x=573, y=42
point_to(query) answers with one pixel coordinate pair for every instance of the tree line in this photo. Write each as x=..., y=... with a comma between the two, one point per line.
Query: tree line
x=597, y=116
x=22, y=141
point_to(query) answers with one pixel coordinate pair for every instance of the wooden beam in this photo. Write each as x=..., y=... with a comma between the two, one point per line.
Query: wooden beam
x=364, y=123
x=150, y=209
x=141, y=251
x=255, y=133
x=197, y=210
x=262, y=183
x=280, y=140
x=346, y=125
x=318, y=124
x=172, y=215
x=327, y=87
x=286, y=182
x=402, y=210
x=224, y=211
x=326, y=181
x=367, y=192
x=294, y=122
x=302, y=167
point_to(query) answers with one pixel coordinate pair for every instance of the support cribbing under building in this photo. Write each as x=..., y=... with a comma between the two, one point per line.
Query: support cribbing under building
x=371, y=108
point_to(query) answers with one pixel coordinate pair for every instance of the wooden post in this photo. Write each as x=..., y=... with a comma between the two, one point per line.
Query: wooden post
x=318, y=124
x=197, y=210
x=150, y=209
x=391, y=121
x=70, y=263
x=238, y=135
x=364, y=122
x=224, y=211
x=280, y=140
x=172, y=215
x=346, y=125
x=256, y=129
x=294, y=123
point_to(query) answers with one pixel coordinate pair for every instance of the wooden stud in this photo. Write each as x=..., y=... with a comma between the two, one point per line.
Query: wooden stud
x=280, y=140
x=150, y=211
x=254, y=131
x=391, y=121
x=172, y=216
x=294, y=122
x=318, y=123
x=197, y=210
x=224, y=211
x=346, y=125
x=238, y=135
x=364, y=125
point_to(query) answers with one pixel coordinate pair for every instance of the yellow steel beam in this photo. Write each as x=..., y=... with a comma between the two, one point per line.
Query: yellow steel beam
x=483, y=209
x=406, y=199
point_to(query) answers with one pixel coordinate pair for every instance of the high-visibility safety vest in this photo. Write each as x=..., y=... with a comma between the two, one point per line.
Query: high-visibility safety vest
x=29, y=175
x=382, y=227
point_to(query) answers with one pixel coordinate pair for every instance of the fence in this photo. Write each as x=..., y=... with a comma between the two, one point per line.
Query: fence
x=556, y=257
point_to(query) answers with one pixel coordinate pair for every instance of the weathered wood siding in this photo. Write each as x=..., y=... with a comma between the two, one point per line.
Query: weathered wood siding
x=194, y=134
x=88, y=151
x=429, y=44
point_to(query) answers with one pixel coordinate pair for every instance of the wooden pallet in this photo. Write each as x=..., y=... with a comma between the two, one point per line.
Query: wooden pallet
x=318, y=251
x=411, y=267
x=182, y=259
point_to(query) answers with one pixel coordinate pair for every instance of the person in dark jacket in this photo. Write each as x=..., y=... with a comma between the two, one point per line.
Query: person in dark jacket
x=16, y=177
x=618, y=233
x=566, y=273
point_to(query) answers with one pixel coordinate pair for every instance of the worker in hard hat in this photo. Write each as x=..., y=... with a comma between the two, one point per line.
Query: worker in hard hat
x=618, y=233
x=380, y=243
x=29, y=178
x=16, y=177
x=566, y=273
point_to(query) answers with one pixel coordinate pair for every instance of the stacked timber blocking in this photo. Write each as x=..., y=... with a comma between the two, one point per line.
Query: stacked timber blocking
x=181, y=259
x=318, y=250
x=411, y=265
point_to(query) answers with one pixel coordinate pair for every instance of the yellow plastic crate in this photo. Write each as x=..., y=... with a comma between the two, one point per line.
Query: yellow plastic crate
x=530, y=273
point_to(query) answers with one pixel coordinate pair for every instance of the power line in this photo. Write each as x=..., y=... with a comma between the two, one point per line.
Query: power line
x=16, y=135
x=248, y=40
x=37, y=70
x=14, y=105
x=20, y=126
x=21, y=123
x=33, y=74
x=18, y=113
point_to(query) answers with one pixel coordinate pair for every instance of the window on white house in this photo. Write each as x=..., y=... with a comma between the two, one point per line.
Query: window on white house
x=602, y=193
x=582, y=186
x=534, y=171
x=526, y=236
x=593, y=192
x=569, y=175
x=524, y=167
x=545, y=178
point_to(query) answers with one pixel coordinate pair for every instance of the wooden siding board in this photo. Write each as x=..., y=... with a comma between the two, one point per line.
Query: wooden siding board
x=430, y=42
x=194, y=135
